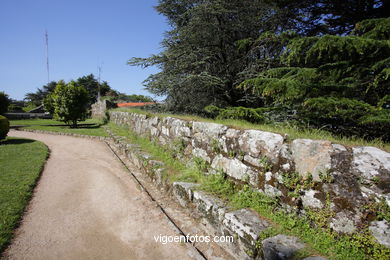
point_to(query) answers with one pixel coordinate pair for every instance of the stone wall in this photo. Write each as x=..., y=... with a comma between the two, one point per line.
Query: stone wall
x=349, y=182
x=98, y=110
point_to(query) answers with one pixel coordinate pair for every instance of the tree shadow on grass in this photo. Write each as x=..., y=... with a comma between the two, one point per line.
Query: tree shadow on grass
x=88, y=126
x=16, y=141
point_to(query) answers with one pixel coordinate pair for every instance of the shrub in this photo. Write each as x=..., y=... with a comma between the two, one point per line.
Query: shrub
x=4, y=102
x=4, y=127
x=252, y=115
x=70, y=102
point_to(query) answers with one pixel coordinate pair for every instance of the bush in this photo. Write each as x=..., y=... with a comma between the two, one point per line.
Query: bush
x=347, y=117
x=15, y=108
x=4, y=127
x=4, y=103
x=252, y=115
x=70, y=102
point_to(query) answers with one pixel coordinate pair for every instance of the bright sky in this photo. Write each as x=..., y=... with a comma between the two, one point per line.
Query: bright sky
x=83, y=34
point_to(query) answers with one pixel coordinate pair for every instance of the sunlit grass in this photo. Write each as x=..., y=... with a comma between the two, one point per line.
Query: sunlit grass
x=21, y=162
x=88, y=127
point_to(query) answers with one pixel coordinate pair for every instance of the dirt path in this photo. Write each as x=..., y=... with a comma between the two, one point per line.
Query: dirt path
x=85, y=206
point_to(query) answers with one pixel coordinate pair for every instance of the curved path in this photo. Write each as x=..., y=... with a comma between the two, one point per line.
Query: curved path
x=86, y=206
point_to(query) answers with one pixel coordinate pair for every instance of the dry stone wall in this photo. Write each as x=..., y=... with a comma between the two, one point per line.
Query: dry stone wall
x=304, y=174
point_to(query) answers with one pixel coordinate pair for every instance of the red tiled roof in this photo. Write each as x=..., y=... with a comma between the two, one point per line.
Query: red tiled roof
x=140, y=104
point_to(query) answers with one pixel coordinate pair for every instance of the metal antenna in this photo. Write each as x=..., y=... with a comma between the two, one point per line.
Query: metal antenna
x=47, y=56
x=99, y=72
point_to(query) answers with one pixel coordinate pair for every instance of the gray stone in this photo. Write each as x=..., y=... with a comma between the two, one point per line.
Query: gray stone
x=285, y=152
x=311, y=157
x=210, y=207
x=179, y=128
x=268, y=176
x=165, y=130
x=381, y=231
x=233, y=168
x=229, y=140
x=308, y=200
x=281, y=247
x=183, y=192
x=369, y=162
x=200, y=140
x=201, y=154
x=272, y=191
x=286, y=167
x=258, y=143
x=211, y=130
x=245, y=223
x=343, y=223
x=254, y=161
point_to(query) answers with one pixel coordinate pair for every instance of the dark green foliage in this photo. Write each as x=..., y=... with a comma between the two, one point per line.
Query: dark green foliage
x=88, y=82
x=239, y=113
x=203, y=52
x=70, y=102
x=378, y=29
x=338, y=83
x=121, y=97
x=4, y=127
x=93, y=86
x=36, y=98
x=4, y=102
x=347, y=116
x=15, y=108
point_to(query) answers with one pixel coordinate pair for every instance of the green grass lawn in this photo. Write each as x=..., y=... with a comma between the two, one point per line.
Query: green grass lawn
x=87, y=127
x=21, y=161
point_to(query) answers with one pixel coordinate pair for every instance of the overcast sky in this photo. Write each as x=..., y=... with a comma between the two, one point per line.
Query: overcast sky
x=83, y=35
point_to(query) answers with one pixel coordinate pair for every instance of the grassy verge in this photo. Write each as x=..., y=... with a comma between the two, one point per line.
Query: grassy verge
x=292, y=131
x=311, y=230
x=21, y=162
x=88, y=127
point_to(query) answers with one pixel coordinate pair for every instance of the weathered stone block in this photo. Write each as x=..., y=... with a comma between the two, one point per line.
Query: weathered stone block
x=258, y=143
x=210, y=207
x=183, y=192
x=212, y=130
x=281, y=247
x=309, y=199
x=229, y=141
x=234, y=168
x=201, y=154
x=247, y=227
x=311, y=157
x=343, y=223
x=369, y=162
x=381, y=231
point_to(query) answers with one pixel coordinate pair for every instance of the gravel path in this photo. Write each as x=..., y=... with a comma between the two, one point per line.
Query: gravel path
x=86, y=206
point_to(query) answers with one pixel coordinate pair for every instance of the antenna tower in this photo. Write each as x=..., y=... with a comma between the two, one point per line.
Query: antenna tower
x=47, y=56
x=99, y=72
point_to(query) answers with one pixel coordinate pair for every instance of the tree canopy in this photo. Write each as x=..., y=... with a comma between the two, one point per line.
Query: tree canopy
x=69, y=102
x=89, y=82
x=4, y=102
x=295, y=56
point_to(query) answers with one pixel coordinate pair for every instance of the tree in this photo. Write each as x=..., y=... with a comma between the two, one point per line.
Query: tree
x=201, y=62
x=70, y=102
x=4, y=103
x=37, y=97
x=319, y=17
x=339, y=83
x=92, y=86
x=205, y=54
